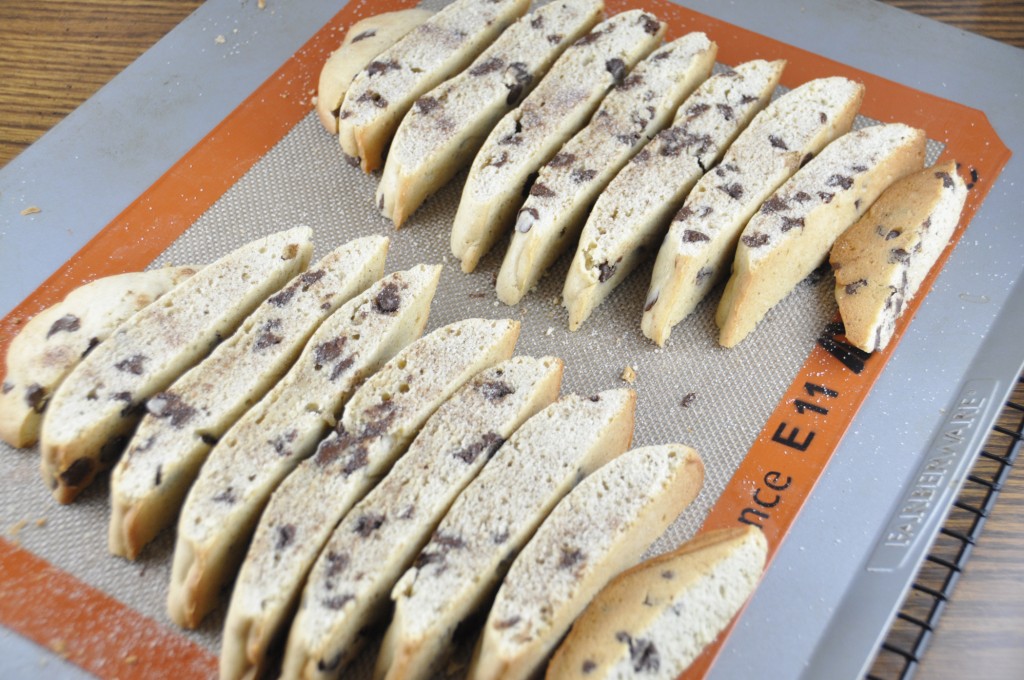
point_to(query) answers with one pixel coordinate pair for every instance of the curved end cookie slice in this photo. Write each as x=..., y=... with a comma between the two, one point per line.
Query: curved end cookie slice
x=348, y=587
x=881, y=261
x=631, y=216
x=472, y=548
x=271, y=439
x=566, y=187
x=701, y=240
x=149, y=483
x=445, y=127
x=94, y=411
x=381, y=94
x=603, y=526
x=795, y=228
x=655, y=619
x=365, y=40
x=527, y=137
x=54, y=341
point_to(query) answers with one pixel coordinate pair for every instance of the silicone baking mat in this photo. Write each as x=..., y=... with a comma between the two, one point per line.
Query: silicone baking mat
x=765, y=416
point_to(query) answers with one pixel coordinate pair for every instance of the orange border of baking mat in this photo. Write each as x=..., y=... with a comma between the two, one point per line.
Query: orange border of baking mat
x=94, y=630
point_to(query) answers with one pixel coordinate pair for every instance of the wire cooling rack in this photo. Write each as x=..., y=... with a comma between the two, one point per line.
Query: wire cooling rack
x=912, y=630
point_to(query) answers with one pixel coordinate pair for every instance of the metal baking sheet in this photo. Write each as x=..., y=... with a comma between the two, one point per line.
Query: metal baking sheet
x=207, y=23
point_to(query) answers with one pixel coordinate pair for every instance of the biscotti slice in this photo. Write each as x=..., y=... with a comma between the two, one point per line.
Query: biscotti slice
x=243, y=469
x=794, y=230
x=702, y=238
x=445, y=128
x=349, y=586
x=634, y=111
x=527, y=137
x=469, y=553
x=45, y=351
x=149, y=483
x=602, y=527
x=631, y=216
x=881, y=261
x=381, y=94
x=655, y=619
x=379, y=422
x=364, y=41
x=93, y=412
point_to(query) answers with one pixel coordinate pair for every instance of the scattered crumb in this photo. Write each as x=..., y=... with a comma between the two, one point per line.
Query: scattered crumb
x=261, y=4
x=220, y=40
x=556, y=300
x=549, y=331
x=16, y=528
x=41, y=522
x=688, y=400
x=629, y=374
x=131, y=659
x=31, y=210
x=58, y=647
x=496, y=303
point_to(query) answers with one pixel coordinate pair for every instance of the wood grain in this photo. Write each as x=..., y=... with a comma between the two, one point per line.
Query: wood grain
x=54, y=54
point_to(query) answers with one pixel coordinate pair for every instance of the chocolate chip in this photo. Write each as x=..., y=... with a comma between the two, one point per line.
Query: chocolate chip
x=692, y=236
x=735, y=190
x=77, y=472
x=839, y=181
x=606, y=270
x=425, y=105
x=555, y=38
x=777, y=143
x=338, y=601
x=541, y=189
x=68, y=323
x=801, y=197
x=581, y=175
x=364, y=35
x=791, y=223
x=697, y=109
x=822, y=117
x=589, y=38
x=703, y=275
x=500, y=161
x=595, y=398
x=36, y=397
x=725, y=110
x=281, y=442
x=775, y=204
x=899, y=255
x=650, y=24
x=376, y=68
x=685, y=213
x=336, y=563
x=537, y=22
x=374, y=98
x=489, y=66
x=825, y=196
x=133, y=364
x=500, y=537
x=328, y=351
x=570, y=558
x=493, y=390
x=617, y=68
x=489, y=443
x=448, y=541
x=747, y=99
x=388, y=300
x=170, y=405
x=285, y=536
x=643, y=156
x=267, y=337
x=285, y=296
x=356, y=461
x=755, y=240
x=507, y=623
x=517, y=79
x=859, y=169
x=947, y=181
x=368, y=523
x=852, y=288
x=562, y=159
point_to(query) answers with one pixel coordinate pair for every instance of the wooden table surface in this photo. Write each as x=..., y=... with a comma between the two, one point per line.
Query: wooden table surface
x=54, y=54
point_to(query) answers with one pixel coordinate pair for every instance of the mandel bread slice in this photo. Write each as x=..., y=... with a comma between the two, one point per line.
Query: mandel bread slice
x=696, y=252
x=602, y=527
x=94, y=411
x=54, y=341
x=365, y=40
x=250, y=460
x=381, y=94
x=634, y=111
x=527, y=137
x=149, y=483
x=349, y=586
x=881, y=261
x=653, y=620
x=445, y=128
x=792, y=233
x=378, y=424
x=631, y=216
x=472, y=548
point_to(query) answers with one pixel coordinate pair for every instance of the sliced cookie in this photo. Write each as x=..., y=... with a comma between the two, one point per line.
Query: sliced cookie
x=653, y=620
x=602, y=527
x=881, y=261
x=792, y=233
x=379, y=422
x=632, y=215
x=94, y=411
x=250, y=460
x=54, y=341
x=381, y=94
x=349, y=586
x=527, y=137
x=445, y=128
x=567, y=186
x=149, y=483
x=469, y=553
x=702, y=238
